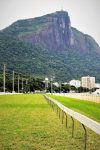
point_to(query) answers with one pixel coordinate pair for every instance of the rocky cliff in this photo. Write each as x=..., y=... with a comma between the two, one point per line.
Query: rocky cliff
x=53, y=32
x=50, y=39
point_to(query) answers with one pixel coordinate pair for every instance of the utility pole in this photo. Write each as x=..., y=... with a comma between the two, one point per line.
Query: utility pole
x=46, y=84
x=26, y=81
x=51, y=85
x=26, y=86
x=4, y=77
x=51, y=88
x=18, y=83
x=22, y=85
x=13, y=82
x=60, y=87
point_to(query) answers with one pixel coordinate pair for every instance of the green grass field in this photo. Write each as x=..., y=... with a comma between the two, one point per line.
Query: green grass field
x=27, y=122
x=90, y=109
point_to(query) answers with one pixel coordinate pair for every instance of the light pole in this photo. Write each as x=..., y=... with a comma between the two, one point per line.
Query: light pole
x=13, y=83
x=22, y=85
x=26, y=86
x=18, y=83
x=26, y=81
x=60, y=87
x=51, y=84
x=4, y=78
x=46, y=84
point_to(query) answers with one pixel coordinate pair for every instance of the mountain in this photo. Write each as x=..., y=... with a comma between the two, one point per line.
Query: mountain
x=48, y=45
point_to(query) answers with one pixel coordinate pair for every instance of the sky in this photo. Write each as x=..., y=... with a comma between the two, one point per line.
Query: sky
x=84, y=14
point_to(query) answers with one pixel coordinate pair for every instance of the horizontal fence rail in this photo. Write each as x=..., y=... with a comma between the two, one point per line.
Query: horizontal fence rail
x=81, y=96
x=93, y=125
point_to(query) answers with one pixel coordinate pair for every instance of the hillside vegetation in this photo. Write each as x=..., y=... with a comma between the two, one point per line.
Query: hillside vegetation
x=49, y=46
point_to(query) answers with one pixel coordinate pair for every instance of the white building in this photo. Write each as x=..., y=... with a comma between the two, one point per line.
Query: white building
x=56, y=84
x=65, y=83
x=97, y=85
x=76, y=83
x=97, y=92
x=88, y=82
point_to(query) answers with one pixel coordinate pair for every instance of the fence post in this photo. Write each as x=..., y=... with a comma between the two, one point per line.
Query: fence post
x=72, y=126
x=59, y=112
x=52, y=105
x=66, y=120
x=85, y=136
x=62, y=116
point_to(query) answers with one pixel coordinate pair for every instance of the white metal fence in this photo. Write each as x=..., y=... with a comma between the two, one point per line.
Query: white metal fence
x=85, y=121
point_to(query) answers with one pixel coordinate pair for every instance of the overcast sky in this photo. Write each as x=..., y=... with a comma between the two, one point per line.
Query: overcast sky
x=84, y=14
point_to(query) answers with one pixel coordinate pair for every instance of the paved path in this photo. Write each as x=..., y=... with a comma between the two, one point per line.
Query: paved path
x=93, y=125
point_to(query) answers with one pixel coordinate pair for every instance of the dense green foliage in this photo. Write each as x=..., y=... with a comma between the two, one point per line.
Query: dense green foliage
x=30, y=83
x=64, y=65
x=87, y=108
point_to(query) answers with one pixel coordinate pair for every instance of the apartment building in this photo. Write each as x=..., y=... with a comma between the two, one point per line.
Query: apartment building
x=88, y=82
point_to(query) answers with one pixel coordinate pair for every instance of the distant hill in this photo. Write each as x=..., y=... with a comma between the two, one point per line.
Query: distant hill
x=48, y=45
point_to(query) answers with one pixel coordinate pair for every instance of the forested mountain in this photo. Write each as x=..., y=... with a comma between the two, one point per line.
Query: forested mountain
x=47, y=46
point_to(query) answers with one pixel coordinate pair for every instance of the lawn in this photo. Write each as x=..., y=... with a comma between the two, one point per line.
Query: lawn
x=90, y=109
x=27, y=122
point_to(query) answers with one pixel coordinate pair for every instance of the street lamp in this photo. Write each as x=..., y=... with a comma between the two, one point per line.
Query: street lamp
x=51, y=83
